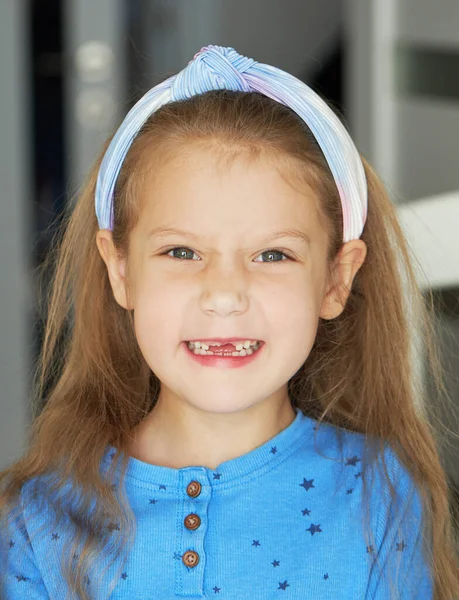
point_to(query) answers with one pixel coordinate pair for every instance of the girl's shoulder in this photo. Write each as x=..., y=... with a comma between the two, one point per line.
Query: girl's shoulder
x=389, y=480
x=20, y=572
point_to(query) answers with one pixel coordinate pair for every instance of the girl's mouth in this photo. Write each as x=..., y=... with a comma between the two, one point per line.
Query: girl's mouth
x=224, y=356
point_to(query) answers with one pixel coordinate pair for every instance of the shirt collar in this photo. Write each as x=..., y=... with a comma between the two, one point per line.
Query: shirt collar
x=231, y=472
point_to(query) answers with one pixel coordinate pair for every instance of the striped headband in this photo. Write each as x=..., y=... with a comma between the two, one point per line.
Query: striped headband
x=217, y=67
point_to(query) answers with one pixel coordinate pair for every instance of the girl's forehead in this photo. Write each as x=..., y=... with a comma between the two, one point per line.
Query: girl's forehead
x=201, y=184
x=242, y=187
x=250, y=203
x=201, y=164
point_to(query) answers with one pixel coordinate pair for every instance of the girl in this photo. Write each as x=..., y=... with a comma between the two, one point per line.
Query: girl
x=234, y=414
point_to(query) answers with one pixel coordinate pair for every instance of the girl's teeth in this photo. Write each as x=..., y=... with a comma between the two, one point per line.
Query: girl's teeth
x=242, y=349
x=239, y=346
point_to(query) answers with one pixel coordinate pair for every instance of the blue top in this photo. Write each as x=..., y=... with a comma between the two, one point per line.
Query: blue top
x=282, y=521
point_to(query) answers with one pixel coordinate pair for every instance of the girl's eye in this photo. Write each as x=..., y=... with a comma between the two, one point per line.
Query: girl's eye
x=181, y=256
x=183, y=250
x=273, y=252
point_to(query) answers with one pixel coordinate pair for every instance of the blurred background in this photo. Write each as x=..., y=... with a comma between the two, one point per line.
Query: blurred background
x=70, y=69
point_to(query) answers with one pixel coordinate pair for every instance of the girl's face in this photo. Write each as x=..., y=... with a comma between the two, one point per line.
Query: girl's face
x=229, y=277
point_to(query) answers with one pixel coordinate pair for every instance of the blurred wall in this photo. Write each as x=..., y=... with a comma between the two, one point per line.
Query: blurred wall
x=15, y=230
x=294, y=35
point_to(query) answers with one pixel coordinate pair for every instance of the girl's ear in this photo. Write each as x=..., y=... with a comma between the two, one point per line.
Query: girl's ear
x=348, y=261
x=116, y=266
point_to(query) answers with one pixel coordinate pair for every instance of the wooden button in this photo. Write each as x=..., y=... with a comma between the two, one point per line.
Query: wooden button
x=190, y=558
x=193, y=489
x=192, y=521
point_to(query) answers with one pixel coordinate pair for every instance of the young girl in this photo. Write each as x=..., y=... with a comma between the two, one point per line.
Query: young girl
x=235, y=413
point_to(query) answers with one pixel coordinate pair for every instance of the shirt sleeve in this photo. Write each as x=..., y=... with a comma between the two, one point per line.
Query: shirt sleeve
x=400, y=568
x=19, y=575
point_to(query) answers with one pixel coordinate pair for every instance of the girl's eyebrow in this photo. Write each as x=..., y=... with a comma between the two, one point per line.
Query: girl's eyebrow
x=286, y=233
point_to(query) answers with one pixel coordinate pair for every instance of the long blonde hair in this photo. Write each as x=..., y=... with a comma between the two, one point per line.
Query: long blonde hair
x=93, y=386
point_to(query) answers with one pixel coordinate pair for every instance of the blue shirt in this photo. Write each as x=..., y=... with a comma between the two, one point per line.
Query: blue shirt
x=282, y=521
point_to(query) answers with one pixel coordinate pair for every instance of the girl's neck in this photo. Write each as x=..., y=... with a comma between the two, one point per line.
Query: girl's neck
x=190, y=437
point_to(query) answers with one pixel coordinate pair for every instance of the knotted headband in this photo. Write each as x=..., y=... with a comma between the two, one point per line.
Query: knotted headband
x=217, y=67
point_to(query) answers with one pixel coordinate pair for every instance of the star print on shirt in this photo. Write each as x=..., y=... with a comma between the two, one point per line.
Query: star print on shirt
x=153, y=501
x=314, y=529
x=400, y=546
x=22, y=578
x=162, y=487
x=256, y=543
x=123, y=575
x=275, y=563
x=55, y=536
x=326, y=576
x=283, y=586
x=217, y=475
x=307, y=484
x=11, y=543
x=349, y=491
x=306, y=511
x=274, y=450
x=352, y=461
x=216, y=589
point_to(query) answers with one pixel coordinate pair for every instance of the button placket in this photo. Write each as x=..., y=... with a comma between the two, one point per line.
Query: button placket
x=192, y=526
